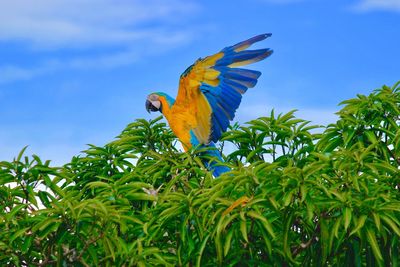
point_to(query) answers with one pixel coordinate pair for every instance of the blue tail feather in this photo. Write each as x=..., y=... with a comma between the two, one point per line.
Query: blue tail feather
x=214, y=160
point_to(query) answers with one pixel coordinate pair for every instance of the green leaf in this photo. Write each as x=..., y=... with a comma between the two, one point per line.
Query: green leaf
x=377, y=221
x=360, y=223
x=374, y=244
x=228, y=239
x=26, y=245
x=14, y=211
x=267, y=225
x=141, y=196
x=18, y=233
x=243, y=229
x=21, y=153
x=109, y=247
x=48, y=229
x=201, y=250
x=43, y=196
x=391, y=223
x=347, y=217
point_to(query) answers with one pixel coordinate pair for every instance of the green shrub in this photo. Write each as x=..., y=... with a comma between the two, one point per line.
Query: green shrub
x=297, y=194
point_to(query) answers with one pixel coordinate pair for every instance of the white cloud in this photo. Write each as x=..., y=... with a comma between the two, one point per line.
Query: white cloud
x=369, y=5
x=68, y=23
x=127, y=29
x=122, y=57
x=10, y=73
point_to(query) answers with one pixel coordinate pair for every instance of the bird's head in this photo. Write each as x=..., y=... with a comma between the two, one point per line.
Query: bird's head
x=153, y=103
x=158, y=101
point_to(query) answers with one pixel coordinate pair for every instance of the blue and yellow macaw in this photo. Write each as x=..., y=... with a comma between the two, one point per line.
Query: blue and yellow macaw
x=209, y=93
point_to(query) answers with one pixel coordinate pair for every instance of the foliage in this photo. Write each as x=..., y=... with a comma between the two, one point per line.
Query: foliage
x=297, y=195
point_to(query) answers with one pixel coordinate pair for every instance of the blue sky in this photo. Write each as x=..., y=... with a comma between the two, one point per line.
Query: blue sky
x=77, y=72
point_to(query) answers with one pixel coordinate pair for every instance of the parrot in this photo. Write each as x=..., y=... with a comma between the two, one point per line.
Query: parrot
x=210, y=92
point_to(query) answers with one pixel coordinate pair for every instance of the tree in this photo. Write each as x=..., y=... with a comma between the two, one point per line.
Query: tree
x=297, y=194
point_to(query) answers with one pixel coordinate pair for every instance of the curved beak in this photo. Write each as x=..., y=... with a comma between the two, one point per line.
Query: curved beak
x=152, y=107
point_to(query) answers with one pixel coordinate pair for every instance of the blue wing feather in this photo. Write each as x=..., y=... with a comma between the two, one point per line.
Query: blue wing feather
x=223, y=105
x=238, y=86
x=225, y=98
x=230, y=56
x=244, y=44
x=237, y=73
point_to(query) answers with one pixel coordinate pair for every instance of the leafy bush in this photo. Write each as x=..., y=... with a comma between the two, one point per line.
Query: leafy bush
x=297, y=194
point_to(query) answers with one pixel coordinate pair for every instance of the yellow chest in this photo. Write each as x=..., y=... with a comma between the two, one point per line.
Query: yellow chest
x=189, y=117
x=181, y=123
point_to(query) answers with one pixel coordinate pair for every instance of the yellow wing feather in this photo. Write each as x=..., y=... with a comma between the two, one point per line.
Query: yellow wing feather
x=190, y=96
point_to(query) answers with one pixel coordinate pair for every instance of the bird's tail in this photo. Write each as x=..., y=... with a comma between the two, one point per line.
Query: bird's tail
x=212, y=159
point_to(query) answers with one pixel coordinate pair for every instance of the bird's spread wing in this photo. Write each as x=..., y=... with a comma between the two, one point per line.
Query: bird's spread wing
x=211, y=89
